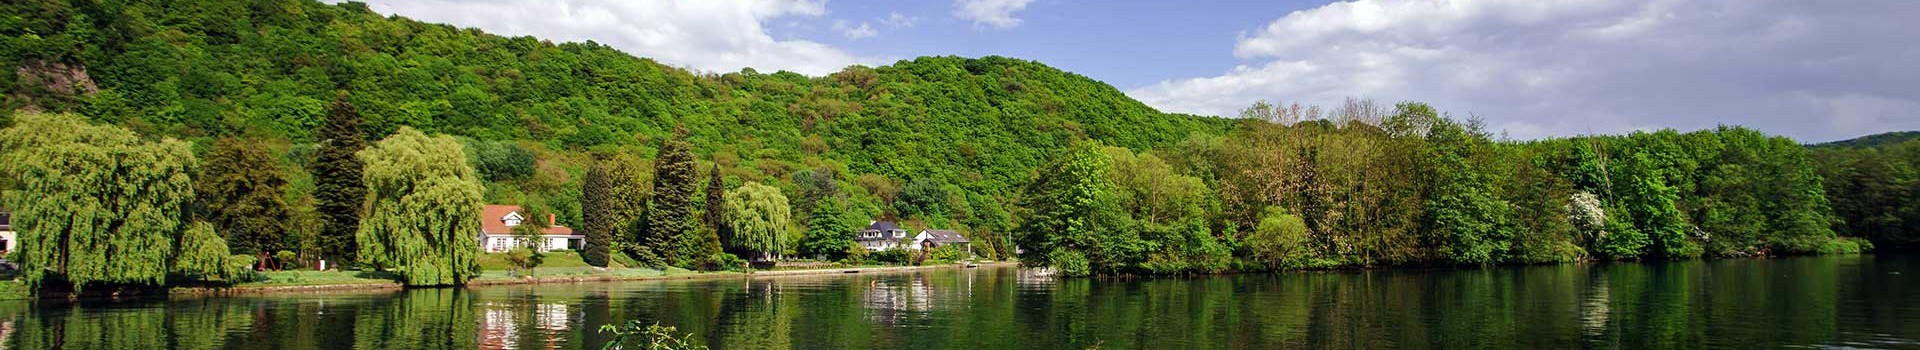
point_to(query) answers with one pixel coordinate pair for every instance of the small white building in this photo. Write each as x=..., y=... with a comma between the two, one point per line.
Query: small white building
x=881, y=235
x=496, y=231
x=8, y=240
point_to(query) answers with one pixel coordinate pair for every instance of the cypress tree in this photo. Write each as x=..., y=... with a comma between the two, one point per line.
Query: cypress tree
x=669, y=217
x=716, y=214
x=338, y=192
x=613, y=195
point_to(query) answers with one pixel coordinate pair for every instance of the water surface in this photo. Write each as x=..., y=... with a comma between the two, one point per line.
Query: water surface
x=1823, y=302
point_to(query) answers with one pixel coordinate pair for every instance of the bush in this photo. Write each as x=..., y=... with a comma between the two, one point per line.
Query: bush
x=857, y=255
x=945, y=254
x=727, y=262
x=1846, y=245
x=524, y=260
x=285, y=259
x=890, y=256
x=654, y=337
x=1070, y=263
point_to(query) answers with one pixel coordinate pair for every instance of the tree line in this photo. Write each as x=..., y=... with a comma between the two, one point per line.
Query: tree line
x=1364, y=185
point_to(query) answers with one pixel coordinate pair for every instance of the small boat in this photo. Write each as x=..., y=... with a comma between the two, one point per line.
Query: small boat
x=970, y=265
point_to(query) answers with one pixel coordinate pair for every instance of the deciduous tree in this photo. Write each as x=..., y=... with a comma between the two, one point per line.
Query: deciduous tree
x=423, y=204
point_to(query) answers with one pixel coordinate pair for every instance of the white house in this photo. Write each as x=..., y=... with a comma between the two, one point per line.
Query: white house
x=496, y=231
x=881, y=235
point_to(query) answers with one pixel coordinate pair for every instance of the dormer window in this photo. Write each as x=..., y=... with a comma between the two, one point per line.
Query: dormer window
x=512, y=219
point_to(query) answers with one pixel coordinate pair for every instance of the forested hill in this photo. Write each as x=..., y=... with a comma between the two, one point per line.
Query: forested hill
x=1876, y=140
x=269, y=69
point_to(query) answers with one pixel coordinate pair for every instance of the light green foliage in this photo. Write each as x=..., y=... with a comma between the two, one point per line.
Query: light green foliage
x=1470, y=222
x=203, y=255
x=94, y=204
x=423, y=206
x=1066, y=201
x=759, y=217
x=651, y=337
x=1279, y=242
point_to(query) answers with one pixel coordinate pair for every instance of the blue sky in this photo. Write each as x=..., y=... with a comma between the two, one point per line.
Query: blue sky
x=1813, y=70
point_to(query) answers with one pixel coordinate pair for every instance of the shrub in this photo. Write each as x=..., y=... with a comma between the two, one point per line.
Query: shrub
x=654, y=337
x=1846, y=245
x=857, y=255
x=727, y=262
x=1070, y=263
x=285, y=258
x=890, y=256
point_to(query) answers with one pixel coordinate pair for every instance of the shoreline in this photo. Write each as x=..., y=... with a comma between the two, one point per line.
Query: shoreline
x=191, y=292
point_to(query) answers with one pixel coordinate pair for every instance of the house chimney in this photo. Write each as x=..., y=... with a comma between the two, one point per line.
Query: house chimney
x=550, y=222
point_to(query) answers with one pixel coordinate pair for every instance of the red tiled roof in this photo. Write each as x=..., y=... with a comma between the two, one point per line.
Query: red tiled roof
x=491, y=221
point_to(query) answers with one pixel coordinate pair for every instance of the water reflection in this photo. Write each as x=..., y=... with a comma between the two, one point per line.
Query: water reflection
x=1804, y=302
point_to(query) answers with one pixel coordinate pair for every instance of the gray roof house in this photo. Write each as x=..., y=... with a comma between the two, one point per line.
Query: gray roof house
x=881, y=235
x=940, y=238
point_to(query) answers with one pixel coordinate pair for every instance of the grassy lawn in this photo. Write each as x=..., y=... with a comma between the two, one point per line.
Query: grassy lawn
x=498, y=261
x=315, y=278
x=544, y=271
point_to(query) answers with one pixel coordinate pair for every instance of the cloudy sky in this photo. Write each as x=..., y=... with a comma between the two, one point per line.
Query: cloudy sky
x=1814, y=70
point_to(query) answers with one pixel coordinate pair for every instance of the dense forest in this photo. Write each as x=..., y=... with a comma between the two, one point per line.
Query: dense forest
x=287, y=98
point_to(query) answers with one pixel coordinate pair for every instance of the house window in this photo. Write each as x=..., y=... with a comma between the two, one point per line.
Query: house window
x=898, y=234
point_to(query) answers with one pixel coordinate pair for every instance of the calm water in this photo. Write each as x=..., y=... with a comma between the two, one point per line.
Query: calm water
x=1825, y=302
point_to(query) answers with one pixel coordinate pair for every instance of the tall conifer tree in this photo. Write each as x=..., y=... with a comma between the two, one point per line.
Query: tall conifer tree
x=338, y=192
x=670, y=216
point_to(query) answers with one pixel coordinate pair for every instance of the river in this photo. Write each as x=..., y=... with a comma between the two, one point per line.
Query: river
x=1864, y=301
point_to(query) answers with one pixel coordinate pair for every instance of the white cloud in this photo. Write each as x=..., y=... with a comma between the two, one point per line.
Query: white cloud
x=716, y=36
x=995, y=13
x=1813, y=70
x=853, y=32
x=897, y=20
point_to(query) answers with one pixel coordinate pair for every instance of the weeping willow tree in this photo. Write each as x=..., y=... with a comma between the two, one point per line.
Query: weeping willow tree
x=423, y=209
x=95, y=204
x=759, y=218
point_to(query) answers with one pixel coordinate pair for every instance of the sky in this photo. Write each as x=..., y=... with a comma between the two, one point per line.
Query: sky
x=1813, y=70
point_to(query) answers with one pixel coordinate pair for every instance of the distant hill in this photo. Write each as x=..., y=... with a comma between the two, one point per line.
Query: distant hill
x=1875, y=140
x=269, y=69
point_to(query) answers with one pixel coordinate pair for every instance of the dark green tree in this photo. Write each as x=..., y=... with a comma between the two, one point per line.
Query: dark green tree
x=828, y=235
x=669, y=217
x=339, y=195
x=715, y=215
x=613, y=196
x=241, y=190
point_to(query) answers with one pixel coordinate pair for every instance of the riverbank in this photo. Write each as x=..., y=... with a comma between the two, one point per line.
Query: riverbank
x=340, y=281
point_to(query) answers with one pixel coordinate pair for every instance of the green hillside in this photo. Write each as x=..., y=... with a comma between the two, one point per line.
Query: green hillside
x=1876, y=140
x=267, y=69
